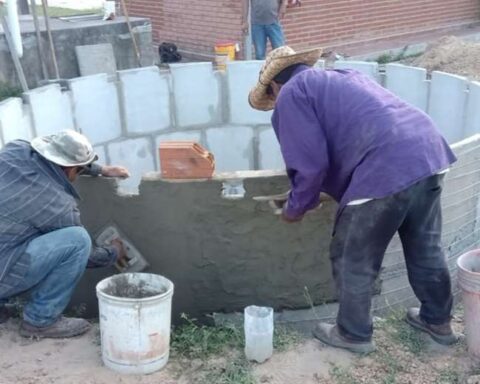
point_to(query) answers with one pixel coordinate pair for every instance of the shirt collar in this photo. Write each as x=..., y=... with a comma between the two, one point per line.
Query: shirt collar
x=300, y=69
x=58, y=171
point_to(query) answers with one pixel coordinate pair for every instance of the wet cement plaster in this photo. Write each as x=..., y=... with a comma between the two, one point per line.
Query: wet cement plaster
x=222, y=255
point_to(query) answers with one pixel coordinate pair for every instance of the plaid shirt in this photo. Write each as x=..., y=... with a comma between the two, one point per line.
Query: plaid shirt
x=35, y=198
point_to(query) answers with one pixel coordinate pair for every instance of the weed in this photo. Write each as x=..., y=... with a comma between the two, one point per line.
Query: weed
x=391, y=366
x=389, y=58
x=308, y=298
x=7, y=90
x=237, y=371
x=448, y=376
x=285, y=338
x=404, y=334
x=342, y=375
x=200, y=341
x=384, y=58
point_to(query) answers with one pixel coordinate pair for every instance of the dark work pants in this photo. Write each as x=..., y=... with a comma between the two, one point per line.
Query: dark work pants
x=361, y=236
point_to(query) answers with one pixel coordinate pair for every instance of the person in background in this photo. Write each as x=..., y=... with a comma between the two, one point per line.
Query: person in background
x=44, y=249
x=265, y=17
x=383, y=160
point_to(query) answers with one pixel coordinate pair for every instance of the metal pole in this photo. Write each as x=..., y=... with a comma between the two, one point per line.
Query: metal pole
x=247, y=42
x=135, y=47
x=50, y=38
x=39, y=39
x=15, y=59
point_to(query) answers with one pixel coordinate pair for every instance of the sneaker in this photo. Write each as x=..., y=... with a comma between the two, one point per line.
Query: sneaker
x=330, y=335
x=441, y=333
x=64, y=327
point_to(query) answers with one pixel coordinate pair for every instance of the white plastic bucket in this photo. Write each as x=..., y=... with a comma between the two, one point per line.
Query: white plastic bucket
x=258, y=333
x=469, y=281
x=135, y=316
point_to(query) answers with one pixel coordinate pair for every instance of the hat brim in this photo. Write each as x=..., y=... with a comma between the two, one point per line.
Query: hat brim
x=258, y=97
x=45, y=149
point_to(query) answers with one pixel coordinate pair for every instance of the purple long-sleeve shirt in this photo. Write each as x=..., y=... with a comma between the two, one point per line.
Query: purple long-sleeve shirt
x=343, y=134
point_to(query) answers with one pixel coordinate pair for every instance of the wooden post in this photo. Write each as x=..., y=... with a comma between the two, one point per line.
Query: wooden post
x=135, y=47
x=39, y=40
x=50, y=38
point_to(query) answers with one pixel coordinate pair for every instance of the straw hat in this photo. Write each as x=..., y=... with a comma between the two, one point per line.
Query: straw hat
x=66, y=148
x=276, y=61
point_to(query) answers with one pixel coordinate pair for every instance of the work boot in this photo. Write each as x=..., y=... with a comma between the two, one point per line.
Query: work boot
x=330, y=335
x=441, y=333
x=64, y=327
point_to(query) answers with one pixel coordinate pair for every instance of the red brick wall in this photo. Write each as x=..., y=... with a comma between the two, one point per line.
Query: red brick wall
x=197, y=25
x=194, y=25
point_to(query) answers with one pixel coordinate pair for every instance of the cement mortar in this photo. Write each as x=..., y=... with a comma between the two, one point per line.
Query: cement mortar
x=122, y=287
x=222, y=255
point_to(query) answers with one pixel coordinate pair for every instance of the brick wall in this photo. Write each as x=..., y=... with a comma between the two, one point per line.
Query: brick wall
x=197, y=25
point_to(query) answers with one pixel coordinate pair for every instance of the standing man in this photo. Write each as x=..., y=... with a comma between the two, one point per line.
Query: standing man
x=383, y=161
x=44, y=248
x=265, y=22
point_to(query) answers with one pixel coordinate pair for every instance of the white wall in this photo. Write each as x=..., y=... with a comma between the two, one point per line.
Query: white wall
x=131, y=113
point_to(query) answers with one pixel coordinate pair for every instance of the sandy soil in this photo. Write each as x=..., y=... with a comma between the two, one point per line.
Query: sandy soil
x=453, y=55
x=308, y=363
x=72, y=361
x=78, y=360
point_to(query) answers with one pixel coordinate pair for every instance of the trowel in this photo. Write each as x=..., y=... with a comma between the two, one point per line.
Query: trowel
x=136, y=262
x=275, y=202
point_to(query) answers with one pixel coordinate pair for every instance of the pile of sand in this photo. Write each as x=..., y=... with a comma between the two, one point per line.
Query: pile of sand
x=453, y=55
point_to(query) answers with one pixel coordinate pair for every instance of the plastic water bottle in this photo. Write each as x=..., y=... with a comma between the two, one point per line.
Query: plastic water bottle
x=258, y=333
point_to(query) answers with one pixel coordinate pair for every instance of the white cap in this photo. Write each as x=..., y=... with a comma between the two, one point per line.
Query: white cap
x=66, y=148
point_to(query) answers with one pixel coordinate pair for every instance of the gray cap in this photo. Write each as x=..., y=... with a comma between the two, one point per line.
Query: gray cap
x=66, y=148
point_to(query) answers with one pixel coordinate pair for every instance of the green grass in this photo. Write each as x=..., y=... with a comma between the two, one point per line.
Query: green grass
x=237, y=371
x=404, y=334
x=342, y=375
x=64, y=12
x=391, y=366
x=448, y=376
x=285, y=338
x=195, y=341
x=7, y=90
x=389, y=58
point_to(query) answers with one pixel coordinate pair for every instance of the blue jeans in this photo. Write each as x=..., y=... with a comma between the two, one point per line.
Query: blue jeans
x=260, y=33
x=361, y=237
x=57, y=261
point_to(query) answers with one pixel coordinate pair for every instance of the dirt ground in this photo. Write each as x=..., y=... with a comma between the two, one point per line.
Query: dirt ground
x=403, y=357
x=453, y=55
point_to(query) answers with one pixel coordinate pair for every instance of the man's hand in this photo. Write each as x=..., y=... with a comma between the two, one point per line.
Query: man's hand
x=291, y=219
x=122, y=258
x=115, y=171
x=245, y=27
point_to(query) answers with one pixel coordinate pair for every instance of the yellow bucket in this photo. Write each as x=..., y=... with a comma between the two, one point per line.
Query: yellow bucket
x=224, y=52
